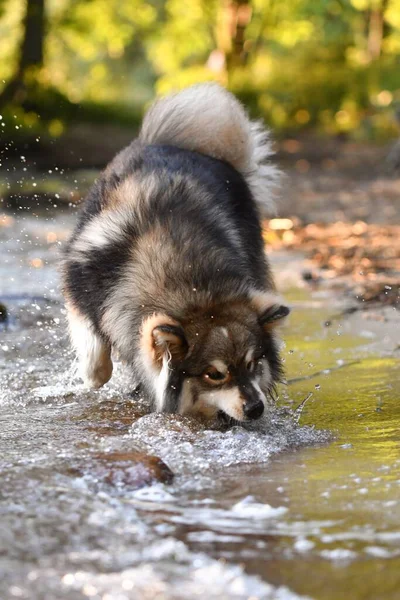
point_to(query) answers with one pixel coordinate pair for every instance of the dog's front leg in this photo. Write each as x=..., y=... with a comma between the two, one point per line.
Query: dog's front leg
x=94, y=355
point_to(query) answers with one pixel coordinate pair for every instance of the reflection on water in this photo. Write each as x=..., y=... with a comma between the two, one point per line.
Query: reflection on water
x=279, y=511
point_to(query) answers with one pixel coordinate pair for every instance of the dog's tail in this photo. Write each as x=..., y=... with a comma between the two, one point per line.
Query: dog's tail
x=207, y=118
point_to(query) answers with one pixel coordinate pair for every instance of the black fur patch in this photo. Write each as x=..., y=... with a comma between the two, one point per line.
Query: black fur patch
x=274, y=313
x=271, y=353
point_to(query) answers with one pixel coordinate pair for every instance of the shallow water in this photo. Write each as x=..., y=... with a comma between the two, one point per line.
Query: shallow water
x=283, y=511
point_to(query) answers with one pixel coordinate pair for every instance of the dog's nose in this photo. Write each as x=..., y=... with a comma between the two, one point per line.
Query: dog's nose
x=254, y=411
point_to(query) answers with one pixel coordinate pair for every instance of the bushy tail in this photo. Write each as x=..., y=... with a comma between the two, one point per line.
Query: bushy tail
x=207, y=118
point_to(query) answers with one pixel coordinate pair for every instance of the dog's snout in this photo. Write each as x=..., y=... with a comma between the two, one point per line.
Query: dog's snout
x=253, y=411
x=253, y=406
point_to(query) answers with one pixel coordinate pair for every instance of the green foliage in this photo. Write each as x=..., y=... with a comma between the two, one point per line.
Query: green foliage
x=333, y=65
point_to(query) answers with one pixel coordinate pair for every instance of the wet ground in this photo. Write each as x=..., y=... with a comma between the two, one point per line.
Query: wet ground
x=305, y=504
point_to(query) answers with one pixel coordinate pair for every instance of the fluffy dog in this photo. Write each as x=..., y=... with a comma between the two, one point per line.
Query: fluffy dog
x=166, y=266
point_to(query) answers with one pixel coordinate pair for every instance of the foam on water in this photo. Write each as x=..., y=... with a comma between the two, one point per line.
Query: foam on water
x=198, y=577
x=185, y=445
x=248, y=508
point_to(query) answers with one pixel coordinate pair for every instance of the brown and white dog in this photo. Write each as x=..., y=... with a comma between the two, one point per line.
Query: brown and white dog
x=166, y=265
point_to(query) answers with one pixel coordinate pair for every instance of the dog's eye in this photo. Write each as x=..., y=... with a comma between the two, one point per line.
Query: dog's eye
x=215, y=377
x=250, y=366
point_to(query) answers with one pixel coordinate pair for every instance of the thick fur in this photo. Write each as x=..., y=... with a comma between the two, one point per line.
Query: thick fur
x=166, y=265
x=207, y=119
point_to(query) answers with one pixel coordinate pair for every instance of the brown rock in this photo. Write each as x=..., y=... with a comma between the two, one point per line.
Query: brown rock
x=132, y=469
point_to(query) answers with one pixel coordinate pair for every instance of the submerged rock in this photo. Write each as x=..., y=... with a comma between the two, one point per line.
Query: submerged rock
x=131, y=470
x=3, y=313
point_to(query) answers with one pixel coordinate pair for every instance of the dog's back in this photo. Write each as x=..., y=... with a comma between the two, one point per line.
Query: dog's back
x=172, y=225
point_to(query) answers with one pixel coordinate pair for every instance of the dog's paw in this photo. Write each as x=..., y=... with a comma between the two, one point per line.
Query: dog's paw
x=97, y=377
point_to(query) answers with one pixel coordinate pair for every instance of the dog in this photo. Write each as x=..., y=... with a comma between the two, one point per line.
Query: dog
x=166, y=266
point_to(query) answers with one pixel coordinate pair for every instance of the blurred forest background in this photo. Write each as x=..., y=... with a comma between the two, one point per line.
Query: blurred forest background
x=332, y=66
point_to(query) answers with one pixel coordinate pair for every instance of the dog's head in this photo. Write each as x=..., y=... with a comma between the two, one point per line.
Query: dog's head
x=224, y=358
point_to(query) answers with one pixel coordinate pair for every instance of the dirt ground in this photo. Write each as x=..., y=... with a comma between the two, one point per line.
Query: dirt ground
x=340, y=207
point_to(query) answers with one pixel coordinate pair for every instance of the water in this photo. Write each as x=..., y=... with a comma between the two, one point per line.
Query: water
x=281, y=511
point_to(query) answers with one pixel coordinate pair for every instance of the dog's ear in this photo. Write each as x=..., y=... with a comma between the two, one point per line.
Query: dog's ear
x=273, y=315
x=270, y=309
x=162, y=336
x=169, y=339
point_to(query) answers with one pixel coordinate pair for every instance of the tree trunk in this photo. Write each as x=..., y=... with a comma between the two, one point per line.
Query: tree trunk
x=32, y=44
x=232, y=20
x=376, y=29
x=31, y=54
x=376, y=24
x=240, y=15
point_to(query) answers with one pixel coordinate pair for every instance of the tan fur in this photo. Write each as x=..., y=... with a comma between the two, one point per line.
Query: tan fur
x=127, y=192
x=133, y=191
x=151, y=353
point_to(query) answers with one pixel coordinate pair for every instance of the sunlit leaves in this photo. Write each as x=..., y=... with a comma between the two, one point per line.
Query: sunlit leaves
x=301, y=63
x=186, y=36
x=89, y=36
x=10, y=35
